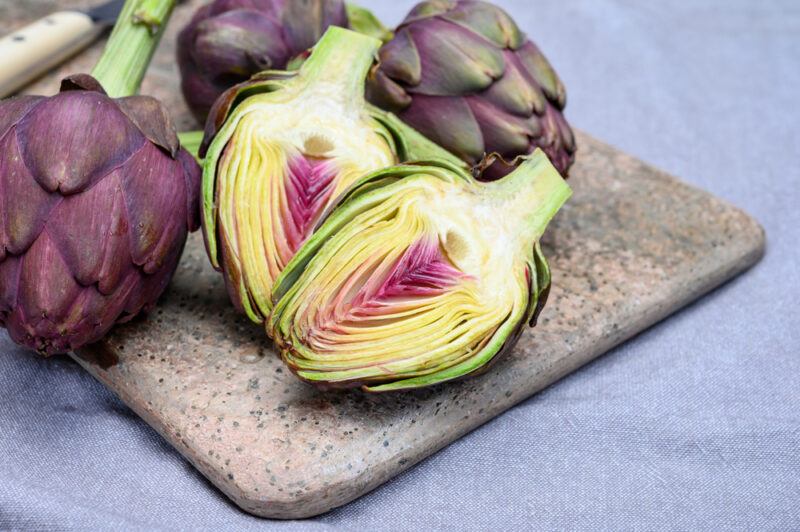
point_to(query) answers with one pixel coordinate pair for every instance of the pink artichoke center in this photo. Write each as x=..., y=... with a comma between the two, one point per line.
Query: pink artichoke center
x=422, y=272
x=309, y=185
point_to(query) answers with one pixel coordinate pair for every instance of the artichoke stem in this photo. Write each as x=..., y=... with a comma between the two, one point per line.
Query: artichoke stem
x=340, y=60
x=532, y=194
x=131, y=46
x=364, y=21
x=190, y=141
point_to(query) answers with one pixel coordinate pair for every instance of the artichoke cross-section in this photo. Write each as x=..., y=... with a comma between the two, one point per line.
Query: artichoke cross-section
x=280, y=149
x=419, y=275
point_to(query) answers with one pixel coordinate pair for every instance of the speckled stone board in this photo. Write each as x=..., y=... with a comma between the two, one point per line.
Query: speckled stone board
x=631, y=247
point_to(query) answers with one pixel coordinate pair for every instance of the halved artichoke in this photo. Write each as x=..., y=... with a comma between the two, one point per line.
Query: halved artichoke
x=420, y=275
x=280, y=148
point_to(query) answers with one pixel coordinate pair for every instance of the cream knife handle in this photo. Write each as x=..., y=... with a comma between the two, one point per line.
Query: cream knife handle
x=33, y=50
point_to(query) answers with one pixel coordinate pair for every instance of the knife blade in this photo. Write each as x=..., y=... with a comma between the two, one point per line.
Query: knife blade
x=36, y=48
x=106, y=13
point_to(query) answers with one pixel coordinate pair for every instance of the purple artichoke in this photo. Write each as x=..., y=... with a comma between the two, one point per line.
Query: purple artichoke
x=96, y=199
x=463, y=74
x=227, y=41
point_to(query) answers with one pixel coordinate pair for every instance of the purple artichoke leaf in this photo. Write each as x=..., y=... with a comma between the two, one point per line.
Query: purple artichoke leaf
x=516, y=92
x=399, y=59
x=153, y=120
x=25, y=205
x=384, y=92
x=454, y=61
x=12, y=110
x=90, y=231
x=81, y=82
x=238, y=43
x=305, y=22
x=448, y=122
x=73, y=139
x=509, y=135
x=488, y=21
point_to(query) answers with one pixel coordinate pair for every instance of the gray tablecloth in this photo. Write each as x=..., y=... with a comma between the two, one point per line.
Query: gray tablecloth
x=693, y=424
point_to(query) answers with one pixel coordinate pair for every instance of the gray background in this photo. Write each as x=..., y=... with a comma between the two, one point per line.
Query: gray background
x=693, y=424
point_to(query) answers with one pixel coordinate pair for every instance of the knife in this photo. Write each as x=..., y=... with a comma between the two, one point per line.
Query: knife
x=33, y=50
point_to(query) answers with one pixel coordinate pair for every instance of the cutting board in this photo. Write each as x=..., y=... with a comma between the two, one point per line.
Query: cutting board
x=632, y=246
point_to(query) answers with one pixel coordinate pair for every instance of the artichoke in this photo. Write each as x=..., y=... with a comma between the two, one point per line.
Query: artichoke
x=227, y=41
x=96, y=198
x=279, y=149
x=463, y=74
x=419, y=275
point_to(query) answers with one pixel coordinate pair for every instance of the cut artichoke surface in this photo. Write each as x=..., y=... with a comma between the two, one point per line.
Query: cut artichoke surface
x=284, y=164
x=420, y=275
x=288, y=145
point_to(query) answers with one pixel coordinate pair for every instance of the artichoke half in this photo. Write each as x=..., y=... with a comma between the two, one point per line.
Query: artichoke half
x=420, y=275
x=279, y=149
x=463, y=74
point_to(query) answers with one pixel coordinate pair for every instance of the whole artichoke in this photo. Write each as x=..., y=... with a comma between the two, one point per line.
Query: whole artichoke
x=96, y=199
x=278, y=151
x=463, y=74
x=420, y=275
x=227, y=41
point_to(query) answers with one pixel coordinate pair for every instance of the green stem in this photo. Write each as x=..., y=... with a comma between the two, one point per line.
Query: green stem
x=364, y=21
x=129, y=49
x=190, y=141
x=532, y=194
x=341, y=59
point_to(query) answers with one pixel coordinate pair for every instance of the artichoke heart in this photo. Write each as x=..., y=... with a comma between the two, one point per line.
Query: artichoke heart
x=420, y=275
x=288, y=146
